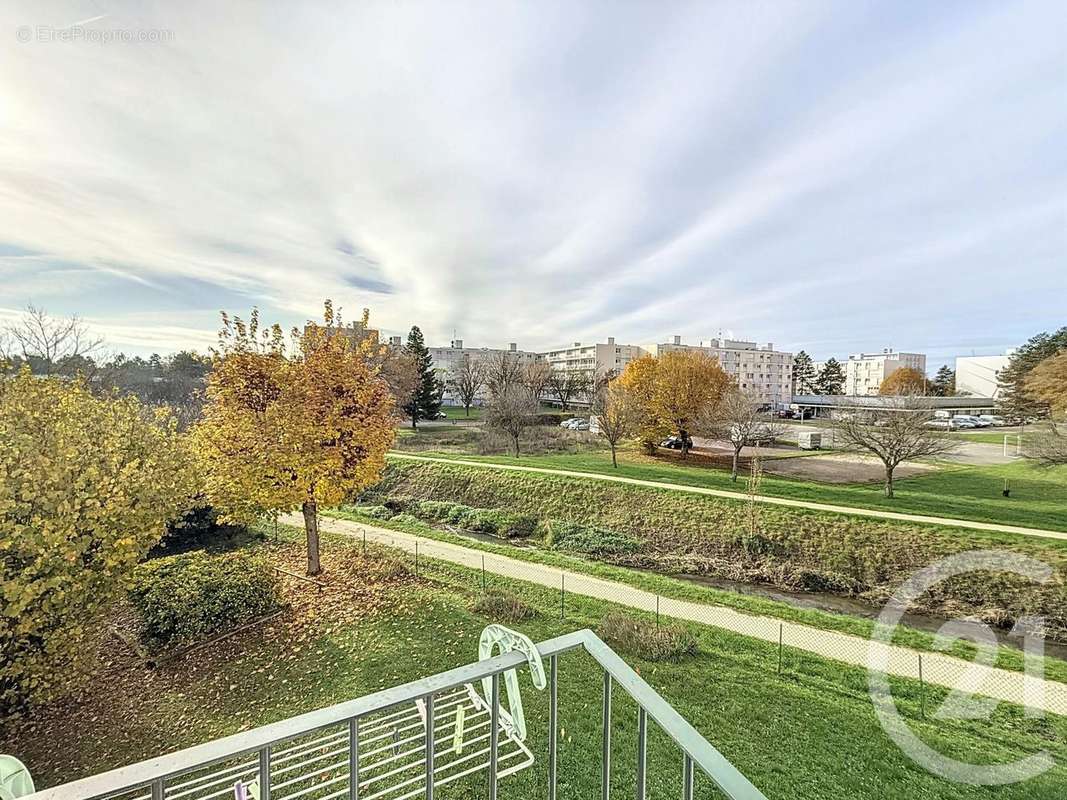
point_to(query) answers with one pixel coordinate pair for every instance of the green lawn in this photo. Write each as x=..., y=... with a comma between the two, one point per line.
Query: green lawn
x=1038, y=496
x=457, y=412
x=808, y=735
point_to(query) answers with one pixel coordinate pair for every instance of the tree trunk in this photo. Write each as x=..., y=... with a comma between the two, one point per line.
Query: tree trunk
x=414, y=422
x=888, y=481
x=467, y=410
x=311, y=526
x=737, y=458
x=515, y=443
x=614, y=462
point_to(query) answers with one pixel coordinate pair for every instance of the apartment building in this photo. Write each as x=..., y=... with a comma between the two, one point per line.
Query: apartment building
x=760, y=370
x=864, y=372
x=979, y=376
x=447, y=359
x=597, y=359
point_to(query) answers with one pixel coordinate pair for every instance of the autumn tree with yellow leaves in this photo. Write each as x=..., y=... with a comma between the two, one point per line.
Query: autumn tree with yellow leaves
x=672, y=392
x=906, y=381
x=90, y=483
x=293, y=426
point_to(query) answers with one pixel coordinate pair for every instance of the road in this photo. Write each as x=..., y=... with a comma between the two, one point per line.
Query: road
x=776, y=501
x=937, y=668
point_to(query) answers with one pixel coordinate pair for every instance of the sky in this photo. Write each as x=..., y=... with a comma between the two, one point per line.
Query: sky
x=829, y=176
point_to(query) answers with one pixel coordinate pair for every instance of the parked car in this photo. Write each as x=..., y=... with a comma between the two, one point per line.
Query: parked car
x=993, y=420
x=786, y=413
x=941, y=424
x=440, y=415
x=975, y=422
x=959, y=421
x=675, y=442
x=567, y=422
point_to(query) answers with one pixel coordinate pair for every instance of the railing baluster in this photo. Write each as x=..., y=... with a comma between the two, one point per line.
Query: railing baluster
x=553, y=723
x=157, y=789
x=353, y=759
x=605, y=777
x=494, y=733
x=687, y=777
x=429, y=747
x=264, y=773
x=642, y=751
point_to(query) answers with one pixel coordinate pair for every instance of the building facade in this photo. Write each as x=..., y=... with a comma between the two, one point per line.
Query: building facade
x=864, y=372
x=979, y=375
x=446, y=360
x=759, y=370
x=598, y=359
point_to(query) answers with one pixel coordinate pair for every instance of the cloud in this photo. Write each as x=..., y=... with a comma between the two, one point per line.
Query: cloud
x=832, y=175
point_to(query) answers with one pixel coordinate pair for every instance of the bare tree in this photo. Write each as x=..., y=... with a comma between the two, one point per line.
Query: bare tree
x=399, y=370
x=511, y=412
x=736, y=418
x=896, y=431
x=617, y=415
x=501, y=371
x=466, y=380
x=568, y=385
x=536, y=375
x=49, y=344
x=1048, y=447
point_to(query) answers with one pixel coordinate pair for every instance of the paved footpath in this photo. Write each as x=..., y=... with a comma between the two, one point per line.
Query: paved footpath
x=937, y=668
x=774, y=501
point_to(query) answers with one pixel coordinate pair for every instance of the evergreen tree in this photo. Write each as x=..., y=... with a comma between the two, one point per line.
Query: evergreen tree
x=831, y=378
x=425, y=401
x=804, y=375
x=1014, y=398
x=944, y=382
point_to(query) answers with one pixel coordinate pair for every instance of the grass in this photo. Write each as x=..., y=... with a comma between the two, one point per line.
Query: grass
x=667, y=586
x=807, y=735
x=457, y=412
x=1038, y=496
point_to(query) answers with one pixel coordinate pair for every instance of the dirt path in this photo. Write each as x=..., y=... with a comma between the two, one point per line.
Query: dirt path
x=937, y=668
x=775, y=501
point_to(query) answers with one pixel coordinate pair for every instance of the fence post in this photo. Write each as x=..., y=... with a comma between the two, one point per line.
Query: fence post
x=781, y=638
x=922, y=689
x=364, y=542
x=484, y=590
x=562, y=595
x=416, y=557
x=657, y=610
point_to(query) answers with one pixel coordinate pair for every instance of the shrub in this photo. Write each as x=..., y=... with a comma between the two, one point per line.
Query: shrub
x=433, y=510
x=646, y=639
x=503, y=607
x=406, y=519
x=194, y=595
x=588, y=540
x=495, y=522
x=397, y=504
x=377, y=512
x=199, y=528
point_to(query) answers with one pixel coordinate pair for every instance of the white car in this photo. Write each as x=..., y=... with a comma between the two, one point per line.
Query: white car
x=940, y=424
x=993, y=420
x=567, y=422
x=976, y=422
x=960, y=421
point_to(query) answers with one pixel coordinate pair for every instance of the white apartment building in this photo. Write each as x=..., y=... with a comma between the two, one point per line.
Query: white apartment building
x=597, y=359
x=758, y=369
x=864, y=372
x=978, y=376
x=447, y=359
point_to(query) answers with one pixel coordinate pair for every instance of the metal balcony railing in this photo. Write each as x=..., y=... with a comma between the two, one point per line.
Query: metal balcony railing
x=409, y=741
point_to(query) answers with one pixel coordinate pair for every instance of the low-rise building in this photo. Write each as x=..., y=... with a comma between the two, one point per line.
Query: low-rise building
x=980, y=375
x=864, y=372
x=760, y=370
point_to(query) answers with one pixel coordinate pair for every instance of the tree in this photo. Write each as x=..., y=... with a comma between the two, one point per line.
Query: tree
x=501, y=371
x=894, y=432
x=804, y=375
x=49, y=345
x=426, y=400
x=1048, y=447
x=1047, y=384
x=466, y=381
x=300, y=429
x=617, y=415
x=1015, y=400
x=944, y=382
x=536, y=375
x=671, y=392
x=736, y=418
x=398, y=368
x=903, y=381
x=689, y=383
x=89, y=485
x=568, y=385
x=510, y=412
x=831, y=378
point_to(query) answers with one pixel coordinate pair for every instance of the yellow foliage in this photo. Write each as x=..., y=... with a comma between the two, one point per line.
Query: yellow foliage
x=281, y=430
x=90, y=483
x=903, y=381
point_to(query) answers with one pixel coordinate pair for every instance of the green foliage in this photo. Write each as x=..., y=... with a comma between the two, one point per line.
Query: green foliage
x=831, y=378
x=574, y=537
x=944, y=382
x=647, y=640
x=378, y=512
x=503, y=607
x=1015, y=399
x=89, y=484
x=494, y=522
x=804, y=375
x=192, y=596
x=199, y=528
x=425, y=401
